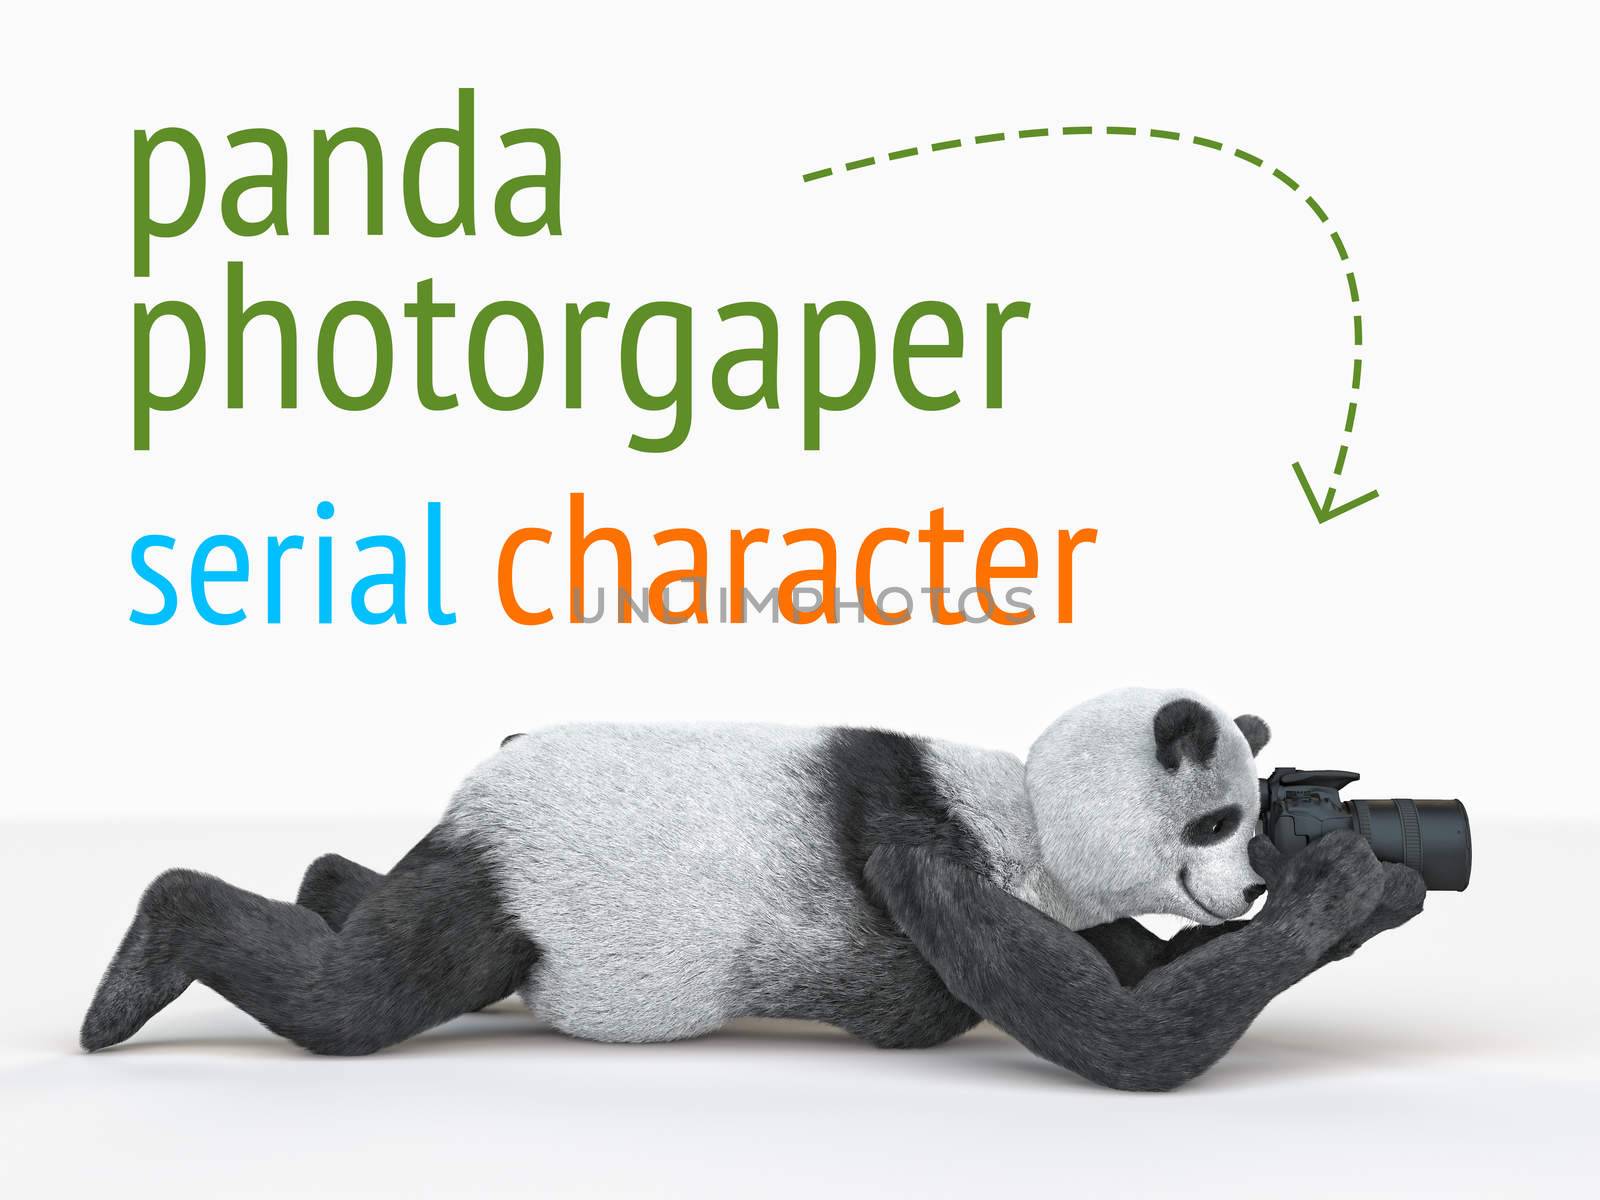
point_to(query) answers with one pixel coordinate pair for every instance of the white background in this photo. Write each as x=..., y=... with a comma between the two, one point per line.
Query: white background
x=1189, y=340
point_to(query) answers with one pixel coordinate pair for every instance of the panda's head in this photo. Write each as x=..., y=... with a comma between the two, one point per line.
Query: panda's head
x=1145, y=801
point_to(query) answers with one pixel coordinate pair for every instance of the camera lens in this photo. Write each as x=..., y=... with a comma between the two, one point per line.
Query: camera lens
x=1430, y=836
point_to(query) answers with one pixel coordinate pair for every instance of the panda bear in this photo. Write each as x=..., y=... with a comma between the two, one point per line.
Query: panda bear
x=648, y=883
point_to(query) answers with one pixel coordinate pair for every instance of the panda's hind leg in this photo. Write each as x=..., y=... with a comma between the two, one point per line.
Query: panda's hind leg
x=430, y=942
x=333, y=886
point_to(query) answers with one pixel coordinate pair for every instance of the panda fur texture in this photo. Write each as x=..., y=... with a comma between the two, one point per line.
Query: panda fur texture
x=648, y=883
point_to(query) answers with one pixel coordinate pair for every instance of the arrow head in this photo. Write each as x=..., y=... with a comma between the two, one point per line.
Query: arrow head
x=1324, y=509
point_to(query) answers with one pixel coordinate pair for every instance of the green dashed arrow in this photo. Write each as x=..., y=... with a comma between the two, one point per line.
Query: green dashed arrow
x=1323, y=509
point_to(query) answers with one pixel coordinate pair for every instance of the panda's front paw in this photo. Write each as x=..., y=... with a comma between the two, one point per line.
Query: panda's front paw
x=1403, y=897
x=1324, y=894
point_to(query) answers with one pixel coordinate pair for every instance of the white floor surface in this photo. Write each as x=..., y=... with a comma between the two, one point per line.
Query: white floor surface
x=1459, y=1056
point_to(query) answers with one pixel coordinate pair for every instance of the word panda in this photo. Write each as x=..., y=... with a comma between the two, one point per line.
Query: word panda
x=647, y=883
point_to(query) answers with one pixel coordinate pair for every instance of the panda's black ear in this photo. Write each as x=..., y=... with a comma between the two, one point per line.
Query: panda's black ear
x=1184, y=729
x=1255, y=731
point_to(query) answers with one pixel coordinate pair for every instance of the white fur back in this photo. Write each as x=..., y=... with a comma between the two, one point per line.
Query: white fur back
x=642, y=860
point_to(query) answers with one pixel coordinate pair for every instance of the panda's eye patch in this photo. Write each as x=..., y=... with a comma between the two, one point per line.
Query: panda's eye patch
x=1214, y=827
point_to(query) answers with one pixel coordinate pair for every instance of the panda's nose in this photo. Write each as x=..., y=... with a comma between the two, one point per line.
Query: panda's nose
x=1253, y=891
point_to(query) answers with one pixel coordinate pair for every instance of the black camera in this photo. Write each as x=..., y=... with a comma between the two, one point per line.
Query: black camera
x=1430, y=836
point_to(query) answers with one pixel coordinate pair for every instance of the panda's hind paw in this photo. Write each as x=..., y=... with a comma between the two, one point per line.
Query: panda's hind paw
x=139, y=983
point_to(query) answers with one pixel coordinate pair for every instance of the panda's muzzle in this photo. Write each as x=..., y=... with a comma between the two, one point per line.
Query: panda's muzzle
x=1183, y=882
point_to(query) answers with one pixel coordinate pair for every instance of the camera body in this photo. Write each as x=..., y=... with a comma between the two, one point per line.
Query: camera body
x=1433, y=837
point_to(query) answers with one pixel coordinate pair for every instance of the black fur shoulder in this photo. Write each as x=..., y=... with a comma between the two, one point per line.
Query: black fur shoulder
x=878, y=787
